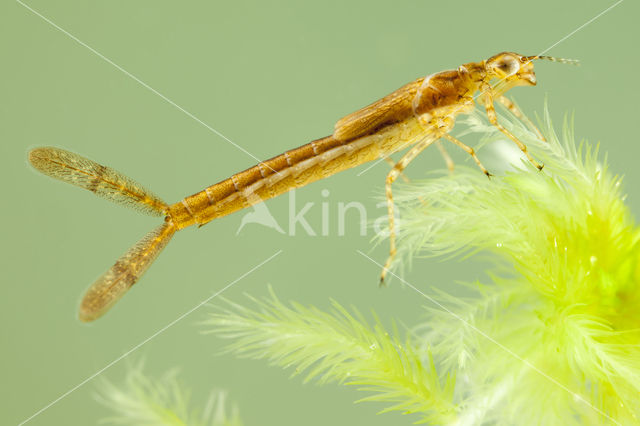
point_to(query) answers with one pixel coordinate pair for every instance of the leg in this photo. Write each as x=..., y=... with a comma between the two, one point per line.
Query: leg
x=404, y=177
x=428, y=125
x=493, y=119
x=391, y=177
x=511, y=106
x=469, y=151
x=445, y=155
x=392, y=164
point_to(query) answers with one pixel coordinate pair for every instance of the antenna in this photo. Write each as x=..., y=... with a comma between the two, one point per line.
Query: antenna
x=554, y=59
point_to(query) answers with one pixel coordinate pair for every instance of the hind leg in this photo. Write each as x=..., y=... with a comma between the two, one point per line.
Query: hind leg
x=391, y=177
x=392, y=163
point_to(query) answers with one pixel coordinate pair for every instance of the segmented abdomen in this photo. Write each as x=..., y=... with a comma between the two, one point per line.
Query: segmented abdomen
x=292, y=169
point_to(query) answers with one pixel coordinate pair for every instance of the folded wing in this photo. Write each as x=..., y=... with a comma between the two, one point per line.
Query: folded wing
x=393, y=108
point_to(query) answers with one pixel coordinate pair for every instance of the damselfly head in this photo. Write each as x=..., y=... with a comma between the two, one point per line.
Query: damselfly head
x=517, y=70
x=512, y=69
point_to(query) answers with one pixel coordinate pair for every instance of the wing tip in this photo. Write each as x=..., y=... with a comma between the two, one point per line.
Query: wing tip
x=38, y=156
x=92, y=308
x=86, y=316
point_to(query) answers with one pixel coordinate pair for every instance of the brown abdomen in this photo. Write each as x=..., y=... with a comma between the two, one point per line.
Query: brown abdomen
x=293, y=169
x=258, y=183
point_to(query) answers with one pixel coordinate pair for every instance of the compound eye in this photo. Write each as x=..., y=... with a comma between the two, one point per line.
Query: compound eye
x=508, y=65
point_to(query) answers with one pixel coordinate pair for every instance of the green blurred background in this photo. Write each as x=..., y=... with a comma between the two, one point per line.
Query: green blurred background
x=270, y=76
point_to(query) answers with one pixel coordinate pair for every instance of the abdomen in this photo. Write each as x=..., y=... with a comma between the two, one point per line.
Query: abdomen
x=293, y=169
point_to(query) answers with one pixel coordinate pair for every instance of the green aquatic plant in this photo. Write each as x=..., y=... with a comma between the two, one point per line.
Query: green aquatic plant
x=338, y=346
x=142, y=401
x=555, y=338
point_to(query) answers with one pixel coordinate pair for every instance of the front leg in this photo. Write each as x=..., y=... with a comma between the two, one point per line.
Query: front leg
x=511, y=106
x=493, y=119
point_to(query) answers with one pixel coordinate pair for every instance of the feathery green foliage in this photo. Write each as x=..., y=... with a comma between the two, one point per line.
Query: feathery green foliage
x=569, y=306
x=338, y=346
x=142, y=401
x=553, y=339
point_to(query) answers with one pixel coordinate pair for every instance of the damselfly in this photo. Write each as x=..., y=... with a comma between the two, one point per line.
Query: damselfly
x=416, y=116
